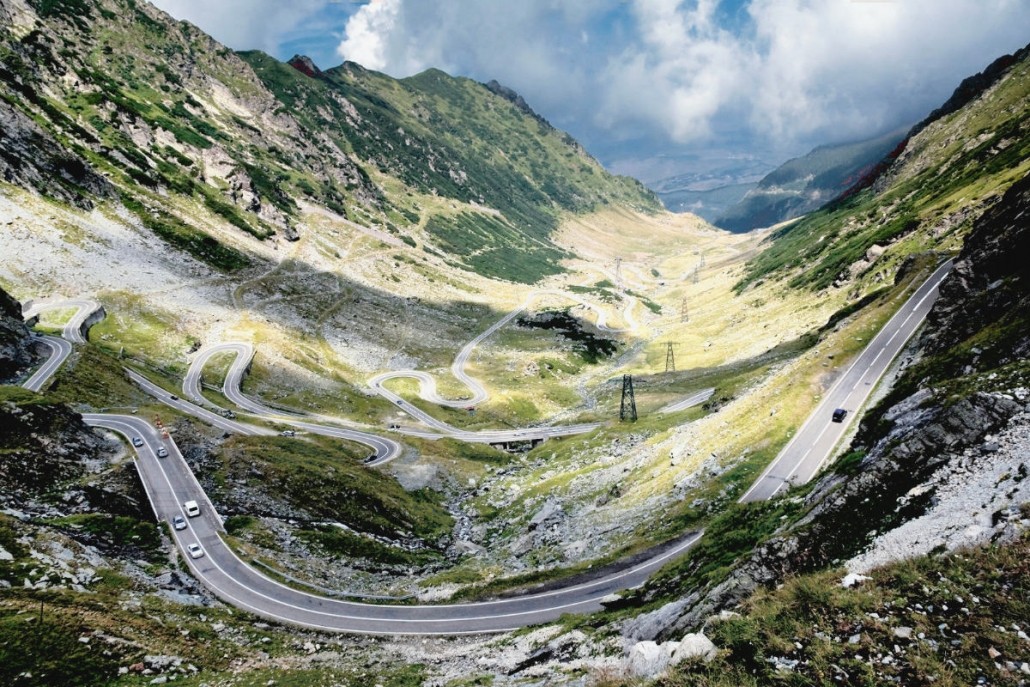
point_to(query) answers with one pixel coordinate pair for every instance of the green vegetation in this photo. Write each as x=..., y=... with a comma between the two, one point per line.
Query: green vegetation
x=590, y=347
x=730, y=535
x=941, y=620
x=194, y=241
x=97, y=379
x=494, y=248
x=325, y=478
x=454, y=138
x=340, y=542
x=116, y=531
x=50, y=653
x=962, y=162
x=804, y=183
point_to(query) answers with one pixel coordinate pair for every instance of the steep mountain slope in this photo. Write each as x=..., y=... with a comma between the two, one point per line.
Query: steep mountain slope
x=111, y=97
x=15, y=339
x=961, y=408
x=924, y=197
x=807, y=183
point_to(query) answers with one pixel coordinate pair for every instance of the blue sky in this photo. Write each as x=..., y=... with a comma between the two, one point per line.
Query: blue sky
x=650, y=86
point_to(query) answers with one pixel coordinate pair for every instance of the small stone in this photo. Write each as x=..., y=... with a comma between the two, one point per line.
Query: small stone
x=993, y=653
x=854, y=639
x=903, y=632
x=852, y=579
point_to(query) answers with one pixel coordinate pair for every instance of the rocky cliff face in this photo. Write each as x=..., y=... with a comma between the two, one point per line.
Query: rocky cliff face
x=43, y=446
x=959, y=412
x=990, y=285
x=15, y=339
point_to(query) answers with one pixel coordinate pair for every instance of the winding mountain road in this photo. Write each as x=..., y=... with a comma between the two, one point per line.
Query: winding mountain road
x=169, y=482
x=814, y=442
x=72, y=331
x=59, y=352
x=60, y=349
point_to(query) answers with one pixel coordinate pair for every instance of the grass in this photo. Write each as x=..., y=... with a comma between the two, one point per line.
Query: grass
x=116, y=531
x=187, y=237
x=341, y=543
x=95, y=378
x=958, y=608
x=325, y=479
x=950, y=170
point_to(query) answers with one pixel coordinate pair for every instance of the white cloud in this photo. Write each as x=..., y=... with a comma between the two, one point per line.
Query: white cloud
x=244, y=24
x=795, y=71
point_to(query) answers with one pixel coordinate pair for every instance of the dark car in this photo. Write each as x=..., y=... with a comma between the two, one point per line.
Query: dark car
x=839, y=415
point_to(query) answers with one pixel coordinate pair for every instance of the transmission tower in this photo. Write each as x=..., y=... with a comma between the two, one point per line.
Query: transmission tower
x=684, y=313
x=696, y=278
x=628, y=407
x=670, y=358
x=618, y=272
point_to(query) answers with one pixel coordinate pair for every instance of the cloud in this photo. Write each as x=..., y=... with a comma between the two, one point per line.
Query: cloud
x=245, y=24
x=782, y=73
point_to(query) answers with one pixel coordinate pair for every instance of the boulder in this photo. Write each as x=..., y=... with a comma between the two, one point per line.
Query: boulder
x=694, y=645
x=649, y=659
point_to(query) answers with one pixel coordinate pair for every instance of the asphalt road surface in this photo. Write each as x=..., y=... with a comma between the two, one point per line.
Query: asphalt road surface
x=59, y=352
x=72, y=330
x=689, y=401
x=169, y=483
x=814, y=443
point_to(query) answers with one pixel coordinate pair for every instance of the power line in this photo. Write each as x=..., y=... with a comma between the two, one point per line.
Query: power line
x=628, y=407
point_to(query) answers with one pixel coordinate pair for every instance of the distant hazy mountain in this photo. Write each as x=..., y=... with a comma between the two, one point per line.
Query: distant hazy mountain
x=806, y=183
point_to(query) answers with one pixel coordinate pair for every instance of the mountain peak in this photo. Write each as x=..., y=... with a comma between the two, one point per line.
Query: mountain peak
x=517, y=100
x=305, y=65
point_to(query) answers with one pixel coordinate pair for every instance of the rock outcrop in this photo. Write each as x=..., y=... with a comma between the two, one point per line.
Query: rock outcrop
x=15, y=339
x=31, y=158
x=944, y=412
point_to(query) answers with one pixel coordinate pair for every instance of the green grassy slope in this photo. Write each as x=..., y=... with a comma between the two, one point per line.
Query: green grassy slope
x=454, y=137
x=945, y=176
x=125, y=102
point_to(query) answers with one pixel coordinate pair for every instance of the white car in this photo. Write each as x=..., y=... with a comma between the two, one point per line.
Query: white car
x=179, y=522
x=137, y=441
x=162, y=452
x=194, y=550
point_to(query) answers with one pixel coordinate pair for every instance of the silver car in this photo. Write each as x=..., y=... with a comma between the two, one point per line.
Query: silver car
x=194, y=550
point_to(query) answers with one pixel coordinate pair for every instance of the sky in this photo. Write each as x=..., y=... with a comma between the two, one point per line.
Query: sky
x=651, y=87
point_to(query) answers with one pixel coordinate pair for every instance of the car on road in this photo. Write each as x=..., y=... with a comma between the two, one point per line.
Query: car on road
x=137, y=441
x=288, y=433
x=179, y=522
x=194, y=550
x=839, y=414
x=192, y=509
x=162, y=452
x=173, y=397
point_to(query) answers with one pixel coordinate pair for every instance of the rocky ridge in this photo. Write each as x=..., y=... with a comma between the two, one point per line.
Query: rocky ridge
x=16, y=346
x=947, y=424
